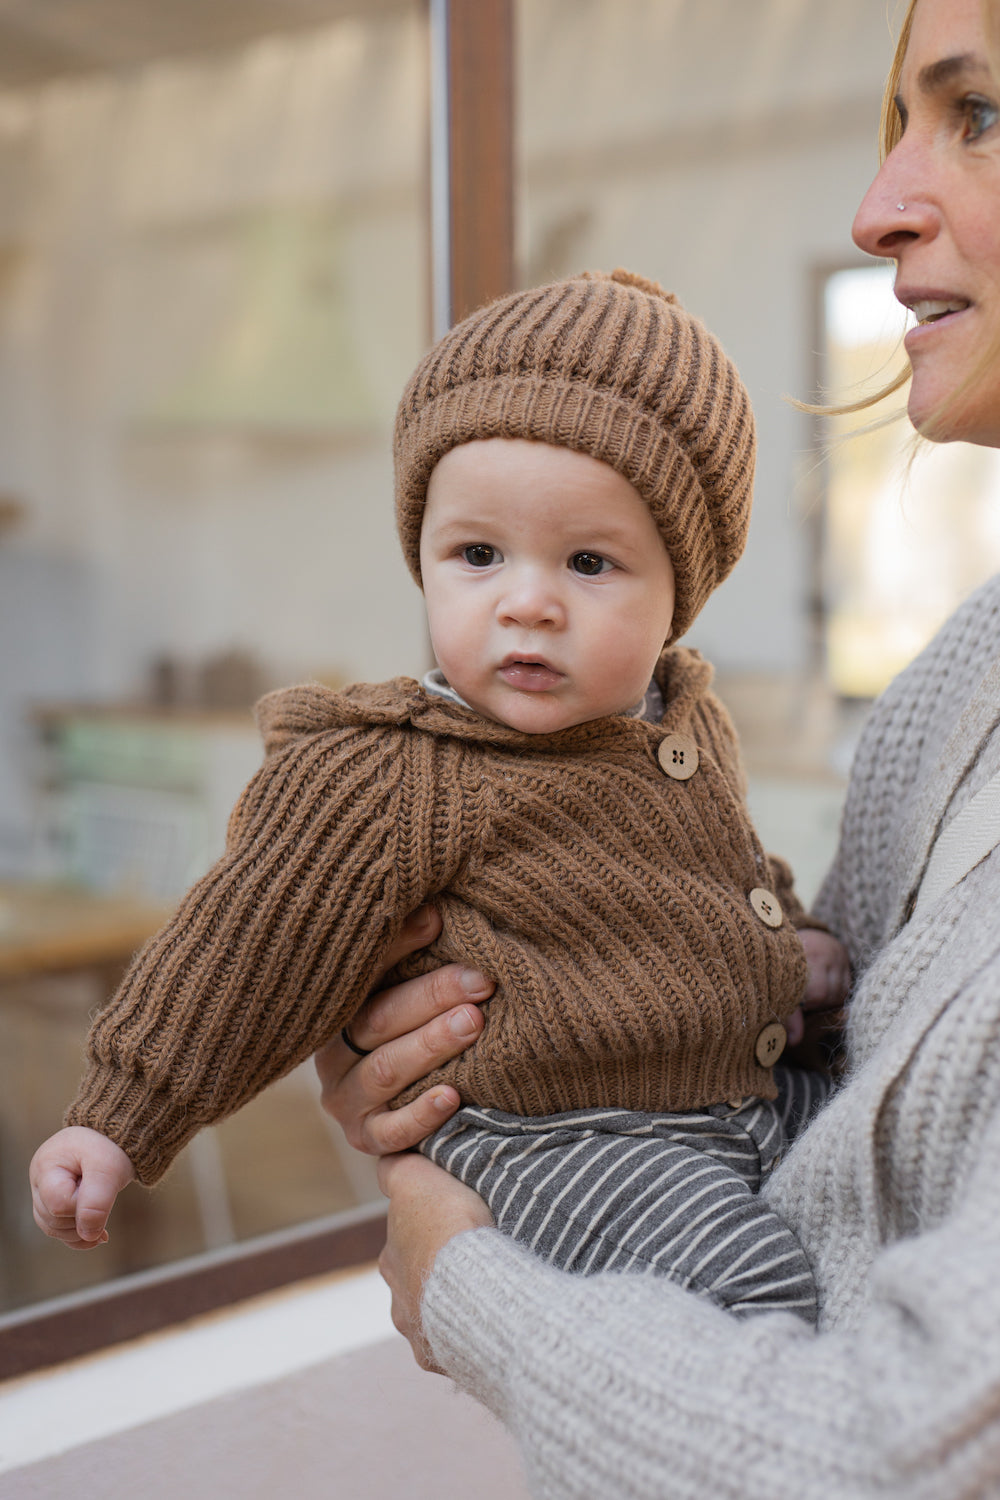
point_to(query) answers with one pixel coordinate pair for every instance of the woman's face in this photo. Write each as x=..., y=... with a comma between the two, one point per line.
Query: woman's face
x=935, y=208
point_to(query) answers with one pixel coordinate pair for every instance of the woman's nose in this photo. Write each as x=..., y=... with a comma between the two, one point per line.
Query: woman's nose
x=895, y=211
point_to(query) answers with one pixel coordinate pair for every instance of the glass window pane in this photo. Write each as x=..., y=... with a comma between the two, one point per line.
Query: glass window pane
x=721, y=148
x=213, y=283
x=911, y=528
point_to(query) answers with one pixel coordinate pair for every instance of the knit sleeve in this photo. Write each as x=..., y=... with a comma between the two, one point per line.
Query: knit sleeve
x=632, y=1387
x=269, y=954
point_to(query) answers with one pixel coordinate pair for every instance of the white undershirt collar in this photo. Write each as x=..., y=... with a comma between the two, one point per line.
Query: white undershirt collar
x=651, y=706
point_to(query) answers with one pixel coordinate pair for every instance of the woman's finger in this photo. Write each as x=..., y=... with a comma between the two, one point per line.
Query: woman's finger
x=423, y=1021
x=357, y=1098
x=385, y=1131
x=403, y=1009
x=401, y=1012
x=420, y=928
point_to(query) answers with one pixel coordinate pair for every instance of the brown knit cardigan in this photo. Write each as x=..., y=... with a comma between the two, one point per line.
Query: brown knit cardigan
x=608, y=901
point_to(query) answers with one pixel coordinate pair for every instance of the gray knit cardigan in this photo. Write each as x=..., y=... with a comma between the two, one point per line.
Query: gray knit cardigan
x=633, y=1388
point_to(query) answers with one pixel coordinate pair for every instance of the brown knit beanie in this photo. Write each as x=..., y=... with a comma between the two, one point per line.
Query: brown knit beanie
x=611, y=366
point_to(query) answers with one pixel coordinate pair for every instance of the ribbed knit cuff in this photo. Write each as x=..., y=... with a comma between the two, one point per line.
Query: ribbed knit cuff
x=452, y=1307
x=148, y=1126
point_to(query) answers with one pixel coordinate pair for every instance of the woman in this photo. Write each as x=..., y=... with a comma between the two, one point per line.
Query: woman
x=630, y=1388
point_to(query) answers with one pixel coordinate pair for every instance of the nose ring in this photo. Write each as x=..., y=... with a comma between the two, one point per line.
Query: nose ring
x=901, y=208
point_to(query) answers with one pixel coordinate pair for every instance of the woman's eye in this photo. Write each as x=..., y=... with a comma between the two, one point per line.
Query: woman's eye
x=479, y=555
x=589, y=564
x=979, y=115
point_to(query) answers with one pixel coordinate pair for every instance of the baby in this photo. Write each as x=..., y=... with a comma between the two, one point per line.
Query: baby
x=573, y=478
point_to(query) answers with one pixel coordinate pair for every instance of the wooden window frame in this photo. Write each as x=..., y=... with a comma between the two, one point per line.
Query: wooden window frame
x=817, y=481
x=472, y=155
x=47, y=1333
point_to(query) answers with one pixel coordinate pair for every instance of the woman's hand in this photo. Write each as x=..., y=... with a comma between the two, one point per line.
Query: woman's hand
x=426, y=1208
x=408, y=1030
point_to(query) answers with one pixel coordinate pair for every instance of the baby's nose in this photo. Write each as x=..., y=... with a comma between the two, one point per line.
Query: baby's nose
x=532, y=600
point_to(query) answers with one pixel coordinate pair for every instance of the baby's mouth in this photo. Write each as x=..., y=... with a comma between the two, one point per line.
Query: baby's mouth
x=531, y=674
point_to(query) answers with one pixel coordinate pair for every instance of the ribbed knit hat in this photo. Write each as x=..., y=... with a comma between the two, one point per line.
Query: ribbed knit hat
x=609, y=365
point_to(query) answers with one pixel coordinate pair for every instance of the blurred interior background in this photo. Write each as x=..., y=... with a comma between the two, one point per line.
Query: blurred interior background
x=217, y=268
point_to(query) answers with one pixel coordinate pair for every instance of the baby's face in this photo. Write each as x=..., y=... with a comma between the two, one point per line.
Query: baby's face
x=549, y=590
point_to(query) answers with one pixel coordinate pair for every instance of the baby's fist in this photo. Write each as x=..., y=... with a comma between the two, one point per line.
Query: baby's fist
x=75, y=1176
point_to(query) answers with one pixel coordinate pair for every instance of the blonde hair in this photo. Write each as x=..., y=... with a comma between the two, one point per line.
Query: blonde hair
x=890, y=132
x=890, y=126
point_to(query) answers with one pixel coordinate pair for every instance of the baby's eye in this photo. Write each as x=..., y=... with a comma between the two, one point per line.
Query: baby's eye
x=480, y=555
x=979, y=114
x=589, y=564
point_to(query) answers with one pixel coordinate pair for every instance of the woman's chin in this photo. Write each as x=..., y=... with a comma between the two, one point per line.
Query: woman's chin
x=942, y=417
x=924, y=423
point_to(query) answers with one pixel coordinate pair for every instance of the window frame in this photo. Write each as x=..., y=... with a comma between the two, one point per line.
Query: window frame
x=816, y=483
x=48, y=1333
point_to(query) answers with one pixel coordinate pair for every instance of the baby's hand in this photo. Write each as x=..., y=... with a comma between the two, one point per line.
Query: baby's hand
x=829, y=980
x=75, y=1176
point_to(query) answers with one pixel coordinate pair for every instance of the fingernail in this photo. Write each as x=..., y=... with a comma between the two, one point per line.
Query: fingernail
x=442, y=1104
x=462, y=1024
x=475, y=985
x=420, y=920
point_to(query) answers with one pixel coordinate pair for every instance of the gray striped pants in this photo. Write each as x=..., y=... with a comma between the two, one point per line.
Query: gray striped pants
x=665, y=1194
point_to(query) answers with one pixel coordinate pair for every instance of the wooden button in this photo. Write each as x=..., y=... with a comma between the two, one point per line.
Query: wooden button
x=765, y=903
x=770, y=1044
x=678, y=756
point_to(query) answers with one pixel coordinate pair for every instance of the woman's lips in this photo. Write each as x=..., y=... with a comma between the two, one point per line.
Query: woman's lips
x=530, y=676
x=932, y=309
x=929, y=327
